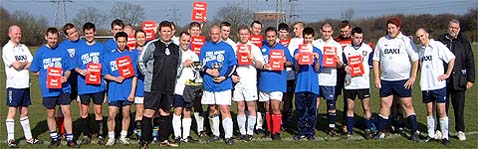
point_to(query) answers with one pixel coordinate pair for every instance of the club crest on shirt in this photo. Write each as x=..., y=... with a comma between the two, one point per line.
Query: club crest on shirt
x=71, y=51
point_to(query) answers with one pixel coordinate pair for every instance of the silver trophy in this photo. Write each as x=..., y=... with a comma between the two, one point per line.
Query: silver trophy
x=197, y=66
x=218, y=67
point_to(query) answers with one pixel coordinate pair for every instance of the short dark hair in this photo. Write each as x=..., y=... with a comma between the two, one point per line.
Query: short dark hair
x=271, y=29
x=184, y=33
x=139, y=31
x=256, y=22
x=117, y=22
x=283, y=26
x=88, y=26
x=194, y=24
x=51, y=30
x=164, y=24
x=242, y=27
x=356, y=30
x=344, y=23
x=121, y=34
x=308, y=31
x=225, y=24
x=67, y=26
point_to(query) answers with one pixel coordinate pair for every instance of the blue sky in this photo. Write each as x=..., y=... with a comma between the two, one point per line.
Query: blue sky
x=308, y=10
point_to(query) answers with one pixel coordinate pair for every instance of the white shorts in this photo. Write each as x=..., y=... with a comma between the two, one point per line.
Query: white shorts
x=242, y=93
x=266, y=96
x=216, y=98
x=139, y=100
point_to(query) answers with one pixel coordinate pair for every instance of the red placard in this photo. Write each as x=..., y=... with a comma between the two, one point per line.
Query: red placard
x=125, y=66
x=94, y=75
x=329, y=57
x=356, y=66
x=276, y=60
x=256, y=40
x=306, y=57
x=149, y=28
x=284, y=42
x=131, y=43
x=53, y=78
x=196, y=43
x=243, y=52
x=199, y=11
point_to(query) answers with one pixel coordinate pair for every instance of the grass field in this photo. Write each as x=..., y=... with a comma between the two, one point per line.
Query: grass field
x=40, y=129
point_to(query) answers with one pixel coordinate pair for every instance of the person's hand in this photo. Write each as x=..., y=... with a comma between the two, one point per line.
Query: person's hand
x=266, y=67
x=83, y=72
x=316, y=55
x=339, y=62
x=443, y=77
x=409, y=83
x=469, y=85
x=378, y=83
x=219, y=79
x=119, y=79
x=131, y=97
x=187, y=63
x=235, y=78
x=63, y=79
x=250, y=56
x=347, y=69
x=212, y=72
x=296, y=57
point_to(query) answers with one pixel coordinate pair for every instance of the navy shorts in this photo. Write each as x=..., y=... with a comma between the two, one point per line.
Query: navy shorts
x=156, y=101
x=438, y=95
x=119, y=103
x=394, y=88
x=51, y=102
x=97, y=98
x=360, y=93
x=18, y=97
x=327, y=92
x=179, y=102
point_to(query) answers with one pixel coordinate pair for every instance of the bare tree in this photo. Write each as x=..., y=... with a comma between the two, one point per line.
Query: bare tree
x=348, y=14
x=90, y=14
x=235, y=15
x=129, y=13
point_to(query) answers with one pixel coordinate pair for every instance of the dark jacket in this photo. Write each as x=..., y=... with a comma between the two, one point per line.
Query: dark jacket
x=464, y=68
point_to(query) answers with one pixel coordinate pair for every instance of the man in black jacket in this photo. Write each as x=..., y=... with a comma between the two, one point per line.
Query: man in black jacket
x=463, y=75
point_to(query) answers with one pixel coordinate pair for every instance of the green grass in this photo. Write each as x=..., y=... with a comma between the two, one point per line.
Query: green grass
x=40, y=129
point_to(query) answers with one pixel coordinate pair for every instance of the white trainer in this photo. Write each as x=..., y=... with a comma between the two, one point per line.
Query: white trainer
x=438, y=135
x=110, y=142
x=461, y=136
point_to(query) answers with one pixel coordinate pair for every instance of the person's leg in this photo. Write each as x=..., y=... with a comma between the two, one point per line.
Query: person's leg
x=214, y=120
x=52, y=123
x=458, y=102
x=350, y=115
x=113, y=110
x=407, y=105
x=84, y=120
x=300, y=108
x=227, y=123
x=186, y=122
x=312, y=114
x=276, y=115
x=241, y=117
x=126, y=120
x=178, y=105
x=251, y=120
x=67, y=122
x=430, y=106
x=198, y=116
x=443, y=119
x=165, y=127
x=98, y=99
x=10, y=123
x=385, y=104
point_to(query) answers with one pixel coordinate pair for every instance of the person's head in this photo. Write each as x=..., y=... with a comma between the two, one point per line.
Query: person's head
x=298, y=28
x=256, y=28
x=393, y=27
x=357, y=36
x=308, y=34
x=173, y=28
x=327, y=31
x=225, y=30
x=214, y=34
x=121, y=39
x=165, y=31
x=51, y=37
x=70, y=31
x=90, y=31
x=345, y=28
x=422, y=36
x=271, y=36
x=184, y=40
x=129, y=29
x=117, y=26
x=243, y=33
x=454, y=28
x=283, y=31
x=140, y=37
x=15, y=34
x=194, y=29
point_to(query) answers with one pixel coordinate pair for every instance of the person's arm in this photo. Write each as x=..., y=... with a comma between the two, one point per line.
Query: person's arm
x=66, y=76
x=318, y=61
x=133, y=89
x=469, y=66
x=145, y=57
x=376, y=73
x=412, y=53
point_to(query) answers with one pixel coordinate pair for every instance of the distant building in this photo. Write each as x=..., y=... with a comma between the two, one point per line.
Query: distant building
x=270, y=18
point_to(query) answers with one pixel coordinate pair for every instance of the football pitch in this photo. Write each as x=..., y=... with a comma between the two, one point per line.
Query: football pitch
x=37, y=116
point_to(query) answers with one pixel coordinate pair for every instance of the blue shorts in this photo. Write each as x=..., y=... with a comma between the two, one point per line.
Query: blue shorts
x=119, y=103
x=394, y=88
x=97, y=98
x=51, y=102
x=327, y=92
x=438, y=95
x=179, y=102
x=18, y=97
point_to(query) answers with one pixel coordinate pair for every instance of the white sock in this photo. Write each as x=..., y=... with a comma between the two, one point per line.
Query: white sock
x=251, y=122
x=259, y=120
x=214, y=123
x=241, y=123
x=228, y=126
x=123, y=134
x=431, y=126
x=25, y=122
x=111, y=135
x=186, y=127
x=176, y=125
x=199, y=121
x=444, y=127
x=10, y=128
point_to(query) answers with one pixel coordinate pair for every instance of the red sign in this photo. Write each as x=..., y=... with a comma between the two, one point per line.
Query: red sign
x=256, y=40
x=125, y=67
x=199, y=11
x=276, y=60
x=355, y=64
x=284, y=42
x=329, y=57
x=149, y=28
x=53, y=78
x=243, y=52
x=131, y=43
x=196, y=43
x=306, y=57
x=94, y=75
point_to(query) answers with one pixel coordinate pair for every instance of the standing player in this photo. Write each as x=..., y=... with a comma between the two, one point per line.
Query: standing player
x=433, y=77
x=357, y=86
x=90, y=53
x=50, y=57
x=118, y=87
x=220, y=62
x=306, y=89
x=328, y=75
x=246, y=86
x=256, y=29
x=397, y=77
x=116, y=26
x=17, y=59
x=140, y=36
x=272, y=84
